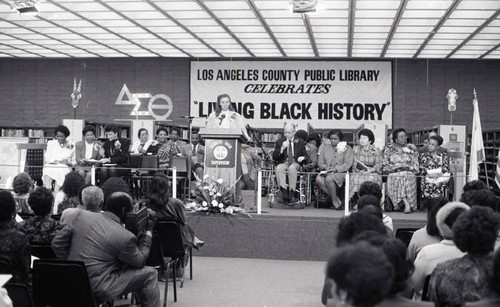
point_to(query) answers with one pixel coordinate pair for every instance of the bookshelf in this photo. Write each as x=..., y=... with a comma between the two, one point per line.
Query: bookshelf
x=39, y=135
x=491, y=141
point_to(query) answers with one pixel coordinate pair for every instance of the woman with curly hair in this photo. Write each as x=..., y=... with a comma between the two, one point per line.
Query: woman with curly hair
x=59, y=159
x=41, y=228
x=68, y=197
x=434, y=159
x=466, y=279
x=22, y=185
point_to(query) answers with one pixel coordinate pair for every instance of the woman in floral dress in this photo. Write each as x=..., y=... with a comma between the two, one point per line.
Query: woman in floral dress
x=401, y=165
x=434, y=159
x=367, y=161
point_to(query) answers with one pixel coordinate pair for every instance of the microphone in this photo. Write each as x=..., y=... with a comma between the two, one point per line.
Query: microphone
x=248, y=127
x=222, y=118
x=186, y=116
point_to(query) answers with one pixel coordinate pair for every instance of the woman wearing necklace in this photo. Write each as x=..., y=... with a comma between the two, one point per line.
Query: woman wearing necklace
x=59, y=159
x=367, y=161
x=401, y=165
x=433, y=165
x=87, y=152
x=224, y=116
x=115, y=152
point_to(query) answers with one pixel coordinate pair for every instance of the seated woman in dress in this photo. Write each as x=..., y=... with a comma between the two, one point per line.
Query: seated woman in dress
x=144, y=145
x=401, y=165
x=59, y=159
x=169, y=208
x=115, y=153
x=22, y=185
x=467, y=279
x=434, y=159
x=41, y=228
x=87, y=149
x=335, y=159
x=68, y=197
x=15, y=246
x=367, y=161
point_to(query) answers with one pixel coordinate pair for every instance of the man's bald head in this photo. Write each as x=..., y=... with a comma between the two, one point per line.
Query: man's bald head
x=289, y=130
x=119, y=203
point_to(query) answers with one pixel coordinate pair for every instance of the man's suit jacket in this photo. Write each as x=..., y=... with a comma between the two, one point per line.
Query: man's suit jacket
x=200, y=153
x=107, y=248
x=118, y=156
x=80, y=148
x=299, y=148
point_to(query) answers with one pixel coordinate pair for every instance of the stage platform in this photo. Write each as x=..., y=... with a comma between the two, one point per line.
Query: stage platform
x=285, y=234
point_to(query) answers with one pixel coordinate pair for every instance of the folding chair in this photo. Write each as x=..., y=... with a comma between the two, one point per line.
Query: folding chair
x=19, y=294
x=5, y=266
x=405, y=234
x=156, y=259
x=183, y=169
x=61, y=283
x=140, y=181
x=172, y=247
x=42, y=251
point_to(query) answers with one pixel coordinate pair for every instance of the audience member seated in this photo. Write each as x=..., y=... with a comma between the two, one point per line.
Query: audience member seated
x=114, y=257
x=144, y=145
x=335, y=160
x=370, y=188
x=289, y=151
x=434, y=165
x=360, y=275
x=172, y=147
x=196, y=153
x=429, y=234
x=432, y=255
x=367, y=161
x=59, y=159
x=40, y=228
x=467, y=279
x=113, y=185
x=115, y=153
x=370, y=200
x=470, y=187
x=14, y=246
x=161, y=136
x=311, y=161
x=68, y=196
x=92, y=200
x=169, y=208
x=395, y=250
x=22, y=185
x=494, y=299
x=401, y=165
x=87, y=152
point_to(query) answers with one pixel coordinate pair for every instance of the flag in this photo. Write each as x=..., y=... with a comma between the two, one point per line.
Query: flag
x=497, y=173
x=477, y=147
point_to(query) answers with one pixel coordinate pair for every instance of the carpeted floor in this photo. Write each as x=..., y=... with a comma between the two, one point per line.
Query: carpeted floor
x=239, y=282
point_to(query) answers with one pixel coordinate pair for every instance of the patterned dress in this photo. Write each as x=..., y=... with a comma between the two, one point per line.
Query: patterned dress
x=167, y=150
x=15, y=248
x=40, y=229
x=428, y=162
x=372, y=157
x=401, y=165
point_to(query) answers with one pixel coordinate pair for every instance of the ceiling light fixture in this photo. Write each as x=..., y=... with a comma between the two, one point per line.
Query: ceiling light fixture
x=26, y=7
x=304, y=6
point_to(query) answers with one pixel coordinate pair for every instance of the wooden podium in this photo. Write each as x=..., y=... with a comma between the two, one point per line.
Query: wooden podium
x=222, y=154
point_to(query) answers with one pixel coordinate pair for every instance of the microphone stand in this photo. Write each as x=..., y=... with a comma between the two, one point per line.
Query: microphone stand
x=259, y=143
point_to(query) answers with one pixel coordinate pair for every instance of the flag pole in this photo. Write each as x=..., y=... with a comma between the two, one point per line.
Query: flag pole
x=484, y=158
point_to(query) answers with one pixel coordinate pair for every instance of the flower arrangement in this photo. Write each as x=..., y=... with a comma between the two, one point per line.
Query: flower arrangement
x=214, y=197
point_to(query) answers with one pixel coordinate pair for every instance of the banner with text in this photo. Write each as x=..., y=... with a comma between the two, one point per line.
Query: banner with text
x=326, y=94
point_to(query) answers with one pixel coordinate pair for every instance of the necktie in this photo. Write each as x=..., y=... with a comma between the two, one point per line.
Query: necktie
x=290, y=153
x=194, y=150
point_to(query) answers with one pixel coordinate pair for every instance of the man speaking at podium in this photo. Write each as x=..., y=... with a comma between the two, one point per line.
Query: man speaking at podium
x=288, y=153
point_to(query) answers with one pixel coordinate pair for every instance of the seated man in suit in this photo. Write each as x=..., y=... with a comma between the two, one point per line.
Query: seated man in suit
x=288, y=153
x=196, y=153
x=114, y=257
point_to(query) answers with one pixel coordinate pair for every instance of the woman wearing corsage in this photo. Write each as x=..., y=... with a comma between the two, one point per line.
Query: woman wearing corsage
x=435, y=166
x=401, y=165
x=367, y=161
x=144, y=145
x=224, y=116
x=59, y=159
x=334, y=160
x=88, y=152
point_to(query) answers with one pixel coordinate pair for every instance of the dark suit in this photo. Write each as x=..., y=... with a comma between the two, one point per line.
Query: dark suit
x=116, y=156
x=282, y=169
x=113, y=257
